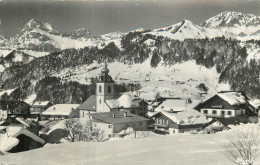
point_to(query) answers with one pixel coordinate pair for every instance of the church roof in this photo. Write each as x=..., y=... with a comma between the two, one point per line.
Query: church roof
x=89, y=104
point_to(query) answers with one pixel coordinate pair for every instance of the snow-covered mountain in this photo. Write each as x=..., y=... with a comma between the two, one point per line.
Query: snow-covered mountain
x=239, y=24
x=184, y=59
x=232, y=19
x=187, y=29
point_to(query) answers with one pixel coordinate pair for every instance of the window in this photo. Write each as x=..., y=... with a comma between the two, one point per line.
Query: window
x=205, y=111
x=109, y=89
x=99, y=101
x=100, y=88
x=109, y=126
x=173, y=131
x=214, y=112
x=229, y=112
x=222, y=112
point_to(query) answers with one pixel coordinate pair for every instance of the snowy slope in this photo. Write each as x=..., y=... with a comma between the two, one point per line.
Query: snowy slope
x=177, y=80
x=179, y=149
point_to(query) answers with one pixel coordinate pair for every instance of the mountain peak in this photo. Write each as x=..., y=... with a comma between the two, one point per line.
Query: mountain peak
x=231, y=19
x=36, y=24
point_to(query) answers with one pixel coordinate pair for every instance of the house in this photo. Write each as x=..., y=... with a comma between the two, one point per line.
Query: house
x=39, y=106
x=107, y=100
x=13, y=107
x=114, y=122
x=59, y=111
x=18, y=139
x=171, y=122
x=219, y=123
x=227, y=104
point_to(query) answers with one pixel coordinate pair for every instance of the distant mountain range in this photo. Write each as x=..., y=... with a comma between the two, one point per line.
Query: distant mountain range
x=222, y=47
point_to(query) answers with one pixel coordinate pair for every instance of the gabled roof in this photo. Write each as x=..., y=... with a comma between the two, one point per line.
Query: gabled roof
x=89, y=104
x=233, y=98
x=187, y=117
x=60, y=109
x=9, y=140
x=107, y=117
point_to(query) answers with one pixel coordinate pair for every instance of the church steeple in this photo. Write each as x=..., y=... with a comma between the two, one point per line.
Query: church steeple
x=104, y=89
x=105, y=69
x=105, y=77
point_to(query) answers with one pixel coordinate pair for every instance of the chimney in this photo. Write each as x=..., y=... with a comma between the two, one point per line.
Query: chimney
x=125, y=114
x=114, y=115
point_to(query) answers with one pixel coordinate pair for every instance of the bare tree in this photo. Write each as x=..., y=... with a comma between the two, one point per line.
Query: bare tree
x=242, y=146
x=78, y=132
x=74, y=129
x=98, y=135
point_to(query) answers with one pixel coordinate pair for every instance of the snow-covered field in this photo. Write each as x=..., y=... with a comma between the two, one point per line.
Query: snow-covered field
x=179, y=149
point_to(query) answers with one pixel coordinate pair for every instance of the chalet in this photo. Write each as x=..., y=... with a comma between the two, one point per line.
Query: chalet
x=114, y=122
x=18, y=139
x=227, y=104
x=39, y=106
x=13, y=107
x=106, y=100
x=171, y=122
x=59, y=111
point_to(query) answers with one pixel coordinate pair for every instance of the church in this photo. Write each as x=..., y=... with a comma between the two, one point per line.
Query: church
x=106, y=100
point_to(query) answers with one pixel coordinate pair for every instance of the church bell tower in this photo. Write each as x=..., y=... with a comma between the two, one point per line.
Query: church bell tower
x=104, y=89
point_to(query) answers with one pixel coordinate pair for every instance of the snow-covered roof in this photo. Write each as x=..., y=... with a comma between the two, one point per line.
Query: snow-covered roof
x=186, y=117
x=22, y=121
x=172, y=105
x=255, y=103
x=9, y=140
x=233, y=98
x=113, y=103
x=60, y=109
x=41, y=103
x=125, y=101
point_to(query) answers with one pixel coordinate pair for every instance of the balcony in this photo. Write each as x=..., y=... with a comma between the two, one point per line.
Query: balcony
x=161, y=125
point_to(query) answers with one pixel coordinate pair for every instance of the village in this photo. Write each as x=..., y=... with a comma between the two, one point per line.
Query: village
x=108, y=115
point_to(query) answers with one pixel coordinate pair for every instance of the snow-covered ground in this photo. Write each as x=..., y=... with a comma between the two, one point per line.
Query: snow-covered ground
x=179, y=149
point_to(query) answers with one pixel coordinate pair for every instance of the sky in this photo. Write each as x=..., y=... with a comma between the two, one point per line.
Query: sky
x=102, y=17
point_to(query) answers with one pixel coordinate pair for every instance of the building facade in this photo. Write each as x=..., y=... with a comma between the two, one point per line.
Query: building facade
x=112, y=123
x=227, y=104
